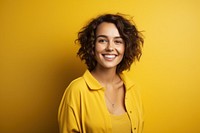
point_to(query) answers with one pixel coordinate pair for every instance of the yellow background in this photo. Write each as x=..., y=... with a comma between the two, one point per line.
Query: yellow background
x=38, y=60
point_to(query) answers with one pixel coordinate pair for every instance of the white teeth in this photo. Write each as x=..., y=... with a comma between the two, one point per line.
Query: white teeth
x=109, y=56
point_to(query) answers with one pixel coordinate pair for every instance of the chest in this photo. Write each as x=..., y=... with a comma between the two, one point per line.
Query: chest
x=95, y=116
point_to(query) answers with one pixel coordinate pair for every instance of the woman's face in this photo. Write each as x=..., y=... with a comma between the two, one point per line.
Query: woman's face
x=109, y=46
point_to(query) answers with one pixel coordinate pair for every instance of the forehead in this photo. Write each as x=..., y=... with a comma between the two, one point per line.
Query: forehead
x=107, y=29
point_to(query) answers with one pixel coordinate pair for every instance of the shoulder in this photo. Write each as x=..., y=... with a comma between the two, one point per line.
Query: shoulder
x=72, y=97
x=73, y=92
x=132, y=88
x=76, y=86
x=76, y=83
x=128, y=81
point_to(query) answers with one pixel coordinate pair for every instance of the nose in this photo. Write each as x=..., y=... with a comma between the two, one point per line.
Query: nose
x=110, y=46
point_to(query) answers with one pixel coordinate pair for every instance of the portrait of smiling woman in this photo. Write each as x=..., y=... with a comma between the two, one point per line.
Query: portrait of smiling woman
x=104, y=99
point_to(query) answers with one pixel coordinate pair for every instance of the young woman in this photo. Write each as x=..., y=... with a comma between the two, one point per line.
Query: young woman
x=104, y=99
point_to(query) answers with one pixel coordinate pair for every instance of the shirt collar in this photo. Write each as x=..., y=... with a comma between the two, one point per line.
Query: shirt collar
x=127, y=81
x=95, y=85
x=91, y=81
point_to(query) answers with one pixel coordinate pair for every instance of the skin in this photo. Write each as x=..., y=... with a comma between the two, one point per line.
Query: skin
x=109, y=51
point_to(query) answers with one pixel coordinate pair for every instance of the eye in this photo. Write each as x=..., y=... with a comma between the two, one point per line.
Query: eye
x=119, y=41
x=102, y=40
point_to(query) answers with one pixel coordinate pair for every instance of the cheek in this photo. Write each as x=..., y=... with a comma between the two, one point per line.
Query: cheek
x=121, y=49
x=98, y=48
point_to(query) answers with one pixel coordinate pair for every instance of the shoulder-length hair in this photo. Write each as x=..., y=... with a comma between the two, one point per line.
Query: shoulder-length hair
x=132, y=37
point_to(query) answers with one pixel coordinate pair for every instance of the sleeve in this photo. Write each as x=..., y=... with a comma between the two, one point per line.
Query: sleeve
x=67, y=119
x=69, y=115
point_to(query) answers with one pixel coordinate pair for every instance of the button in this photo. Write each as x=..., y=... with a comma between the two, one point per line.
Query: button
x=130, y=111
x=134, y=128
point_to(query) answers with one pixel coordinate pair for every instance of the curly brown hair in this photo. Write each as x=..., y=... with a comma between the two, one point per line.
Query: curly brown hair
x=132, y=37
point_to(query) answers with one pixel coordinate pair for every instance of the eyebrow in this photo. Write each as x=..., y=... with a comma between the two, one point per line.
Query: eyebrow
x=107, y=36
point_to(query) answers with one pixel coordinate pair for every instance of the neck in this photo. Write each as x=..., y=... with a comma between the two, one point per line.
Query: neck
x=105, y=76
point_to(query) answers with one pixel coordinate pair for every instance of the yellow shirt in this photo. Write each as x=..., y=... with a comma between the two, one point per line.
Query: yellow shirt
x=120, y=123
x=83, y=108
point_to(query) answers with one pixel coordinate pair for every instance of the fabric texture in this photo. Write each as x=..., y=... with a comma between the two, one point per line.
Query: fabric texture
x=121, y=123
x=83, y=108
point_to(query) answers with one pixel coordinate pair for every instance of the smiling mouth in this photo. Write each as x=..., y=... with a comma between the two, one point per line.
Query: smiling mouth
x=109, y=56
